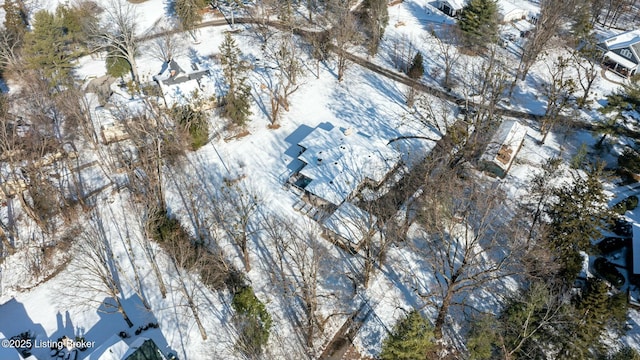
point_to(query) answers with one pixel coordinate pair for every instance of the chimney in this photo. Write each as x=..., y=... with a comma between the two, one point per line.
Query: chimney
x=348, y=131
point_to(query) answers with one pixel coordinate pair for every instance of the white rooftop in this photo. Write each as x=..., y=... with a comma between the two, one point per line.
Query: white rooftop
x=337, y=163
x=507, y=6
x=113, y=349
x=350, y=222
x=505, y=144
x=620, y=60
x=456, y=4
x=179, y=86
x=624, y=39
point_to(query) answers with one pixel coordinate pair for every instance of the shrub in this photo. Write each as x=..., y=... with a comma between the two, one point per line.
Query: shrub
x=194, y=122
x=625, y=205
x=417, y=68
x=253, y=322
x=630, y=161
x=176, y=240
x=411, y=338
x=632, y=202
x=608, y=272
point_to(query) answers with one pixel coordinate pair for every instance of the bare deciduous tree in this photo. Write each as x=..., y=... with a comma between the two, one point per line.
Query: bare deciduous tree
x=467, y=244
x=558, y=91
x=240, y=206
x=550, y=21
x=344, y=33
x=97, y=269
x=284, y=54
x=449, y=52
x=300, y=258
x=167, y=46
x=117, y=35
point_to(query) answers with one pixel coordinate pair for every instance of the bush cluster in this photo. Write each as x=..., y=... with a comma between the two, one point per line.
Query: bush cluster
x=253, y=322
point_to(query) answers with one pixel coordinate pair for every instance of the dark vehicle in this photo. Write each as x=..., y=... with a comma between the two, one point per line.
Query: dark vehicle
x=609, y=272
x=611, y=244
x=622, y=227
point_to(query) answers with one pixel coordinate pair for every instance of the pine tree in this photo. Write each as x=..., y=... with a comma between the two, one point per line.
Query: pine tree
x=626, y=353
x=626, y=99
x=15, y=19
x=479, y=23
x=412, y=338
x=577, y=218
x=188, y=12
x=416, y=70
x=237, y=105
x=117, y=66
x=583, y=338
x=46, y=47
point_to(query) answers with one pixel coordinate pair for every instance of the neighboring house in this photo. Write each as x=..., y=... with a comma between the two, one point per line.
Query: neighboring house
x=509, y=12
x=118, y=349
x=503, y=148
x=349, y=226
x=177, y=85
x=337, y=164
x=143, y=349
x=621, y=53
x=451, y=7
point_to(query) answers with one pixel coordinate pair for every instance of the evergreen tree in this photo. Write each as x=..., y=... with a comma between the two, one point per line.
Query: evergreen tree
x=479, y=23
x=253, y=322
x=416, y=70
x=626, y=353
x=577, y=218
x=626, y=99
x=46, y=47
x=117, y=66
x=76, y=21
x=412, y=338
x=583, y=336
x=237, y=105
x=15, y=19
x=523, y=330
x=188, y=12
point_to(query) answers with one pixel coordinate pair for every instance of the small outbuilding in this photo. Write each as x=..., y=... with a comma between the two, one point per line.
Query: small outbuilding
x=451, y=7
x=503, y=148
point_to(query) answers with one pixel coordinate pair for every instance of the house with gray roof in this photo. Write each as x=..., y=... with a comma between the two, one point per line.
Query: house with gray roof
x=621, y=53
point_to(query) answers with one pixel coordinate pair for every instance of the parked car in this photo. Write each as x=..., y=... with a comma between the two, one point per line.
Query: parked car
x=612, y=243
x=609, y=272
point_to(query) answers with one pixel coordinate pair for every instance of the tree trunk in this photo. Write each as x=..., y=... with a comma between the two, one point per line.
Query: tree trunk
x=196, y=317
x=245, y=254
x=134, y=70
x=122, y=312
x=442, y=312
